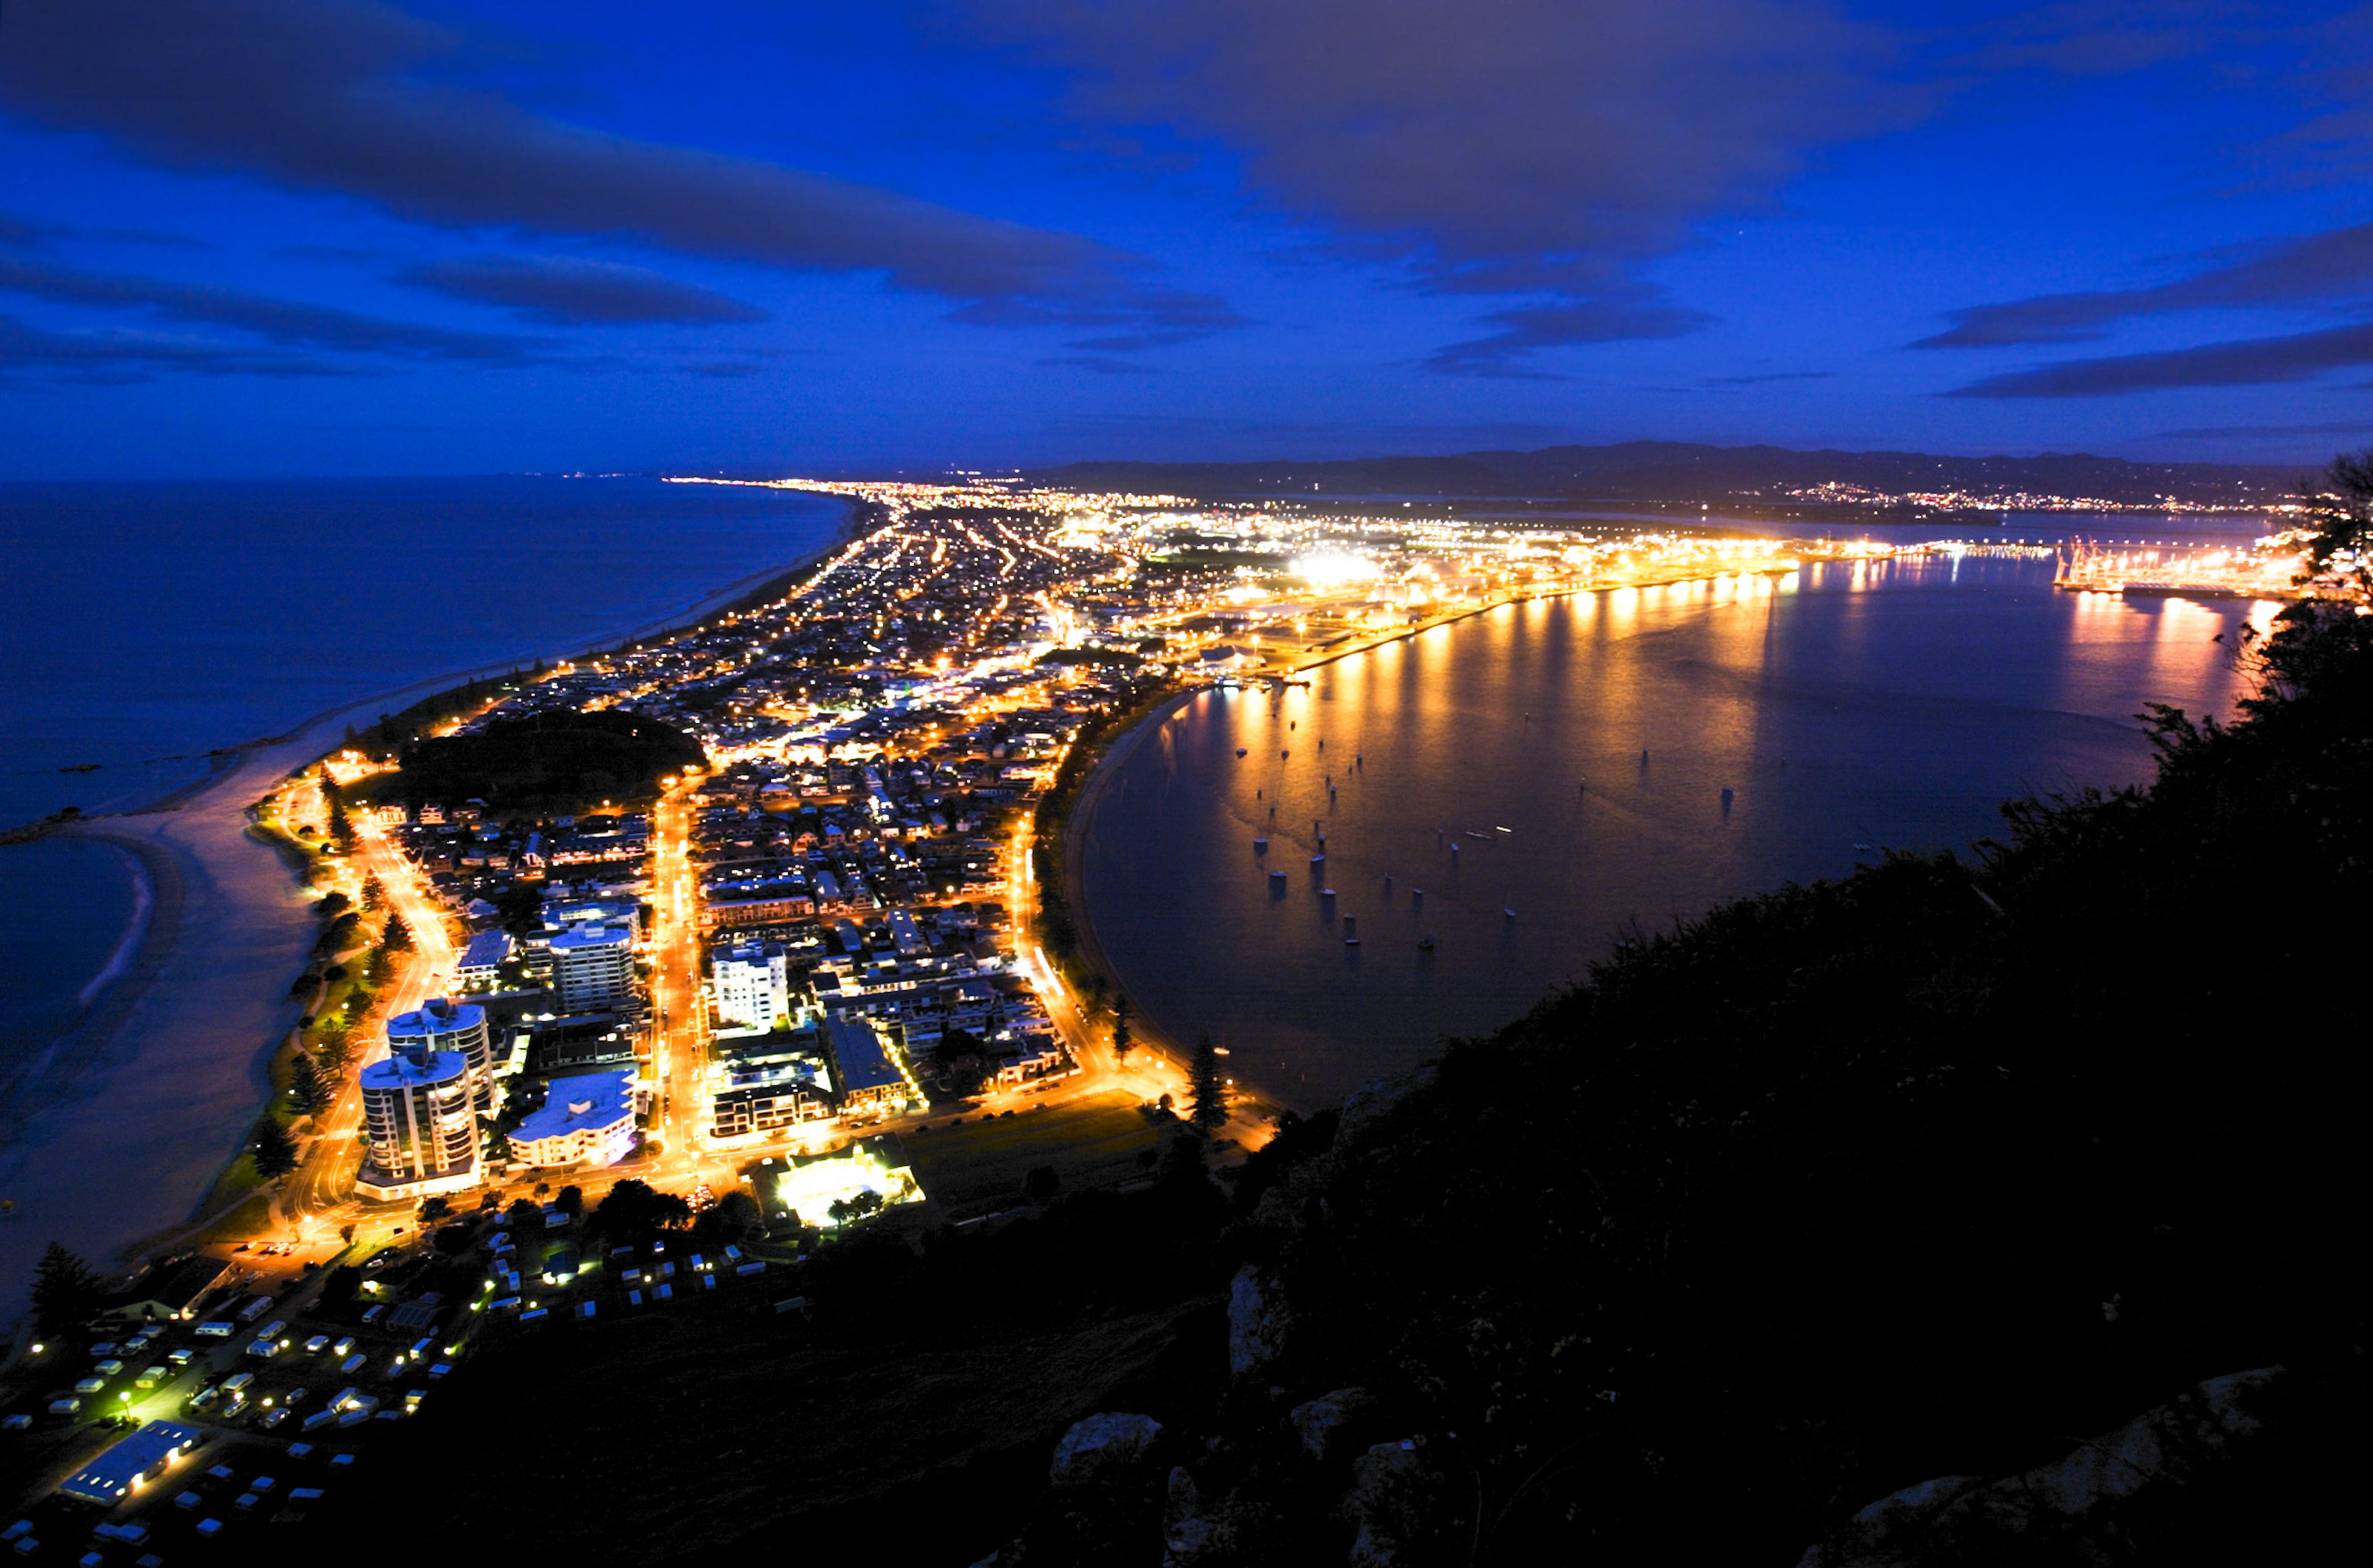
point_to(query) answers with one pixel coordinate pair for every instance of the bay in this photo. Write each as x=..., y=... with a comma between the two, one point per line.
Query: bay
x=1556, y=774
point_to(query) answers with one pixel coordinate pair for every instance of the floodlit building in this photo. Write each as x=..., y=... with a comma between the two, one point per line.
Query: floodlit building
x=482, y=963
x=129, y=1465
x=752, y=984
x=593, y=968
x=812, y=1184
x=869, y=1078
x=586, y=1120
x=420, y=1125
x=442, y=1025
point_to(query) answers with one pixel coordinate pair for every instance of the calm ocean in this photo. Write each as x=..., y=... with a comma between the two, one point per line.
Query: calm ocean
x=1551, y=773
x=142, y=625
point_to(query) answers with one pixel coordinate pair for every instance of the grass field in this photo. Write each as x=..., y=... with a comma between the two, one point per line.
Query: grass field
x=977, y=1167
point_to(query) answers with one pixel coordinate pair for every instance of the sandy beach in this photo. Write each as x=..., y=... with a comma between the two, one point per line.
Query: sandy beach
x=115, y=1135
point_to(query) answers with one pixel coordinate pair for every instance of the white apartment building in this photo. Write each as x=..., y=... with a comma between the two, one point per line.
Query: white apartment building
x=420, y=1130
x=586, y=1120
x=593, y=968
x=752, y=984
x=442, y=1025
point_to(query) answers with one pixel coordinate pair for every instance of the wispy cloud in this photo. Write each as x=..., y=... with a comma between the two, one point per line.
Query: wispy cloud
x=1102, y=365
x=2265, y=432
x=567, y=291
x=344, y=96
x=283, y=322
x=2249, y=362
x=110, y=359
x=2313, y=270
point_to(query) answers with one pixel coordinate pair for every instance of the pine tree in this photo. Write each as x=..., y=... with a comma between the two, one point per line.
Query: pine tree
x=374, y=892
x=65, y=1290
x=342, y=832
x=1211, y=1095
x=1121, y=1038
x=398, y=936
x=307, y=1089
x=275, y=1151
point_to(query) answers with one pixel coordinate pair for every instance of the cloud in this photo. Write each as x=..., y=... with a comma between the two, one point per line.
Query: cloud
x=2264, y=432
x=2316, y=269
x=1495, y=146
x=1624, y=315
x=1102, y=365
x=32, y=233
x=282, y=321
x=119, y=357
x=2100, y=38
x=343, y=96
x=2250, y=362
x=565, y=291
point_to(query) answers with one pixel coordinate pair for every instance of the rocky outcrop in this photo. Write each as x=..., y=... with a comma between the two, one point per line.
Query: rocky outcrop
x=2082, y=1507
x=1377, y=1095
x=1188, y=1532
x=1330, y=1423
x=1257, y=1320
x=1395, y=1506
x=1100, y=1447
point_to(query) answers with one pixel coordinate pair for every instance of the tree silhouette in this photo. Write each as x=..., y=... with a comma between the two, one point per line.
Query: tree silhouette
x=65, y=1290
x=307, y=1090
x=275, y=1151
x=398, y=936
x=1210, y=1093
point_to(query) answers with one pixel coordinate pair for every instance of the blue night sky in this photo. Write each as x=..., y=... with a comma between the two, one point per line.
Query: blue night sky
x=326, y=237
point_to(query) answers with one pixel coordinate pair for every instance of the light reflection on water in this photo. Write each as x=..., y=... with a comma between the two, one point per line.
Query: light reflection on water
x=1882, y=704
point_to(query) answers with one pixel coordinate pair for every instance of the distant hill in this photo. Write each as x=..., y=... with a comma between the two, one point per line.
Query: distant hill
x=1690, y=472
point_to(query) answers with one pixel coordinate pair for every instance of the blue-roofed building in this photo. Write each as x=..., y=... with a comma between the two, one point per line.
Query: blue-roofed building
x=585, y=1121
x=867, y=1075
x=131, y=1464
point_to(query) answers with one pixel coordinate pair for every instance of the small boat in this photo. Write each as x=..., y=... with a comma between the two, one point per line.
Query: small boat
x=1425, y=943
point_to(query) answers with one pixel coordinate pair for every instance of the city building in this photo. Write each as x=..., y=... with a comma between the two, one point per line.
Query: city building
x=767, y=1093
x=420, y=1128
x=443, y=1025
x=868, y=1077
x=585, y=1121
x=482, y=963
x=593, y=968
x=751, y=985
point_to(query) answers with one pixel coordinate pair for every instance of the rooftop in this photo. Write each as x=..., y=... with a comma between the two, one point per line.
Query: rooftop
x=115, y=1472
x=590, y=1102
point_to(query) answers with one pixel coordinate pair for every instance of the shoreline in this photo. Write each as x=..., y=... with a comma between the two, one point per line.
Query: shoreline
x=1147, y=1033
x=134, y=1112
x=1079, y=829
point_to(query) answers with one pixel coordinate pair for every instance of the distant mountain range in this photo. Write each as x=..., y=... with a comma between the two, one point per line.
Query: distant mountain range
x=1688, y=471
